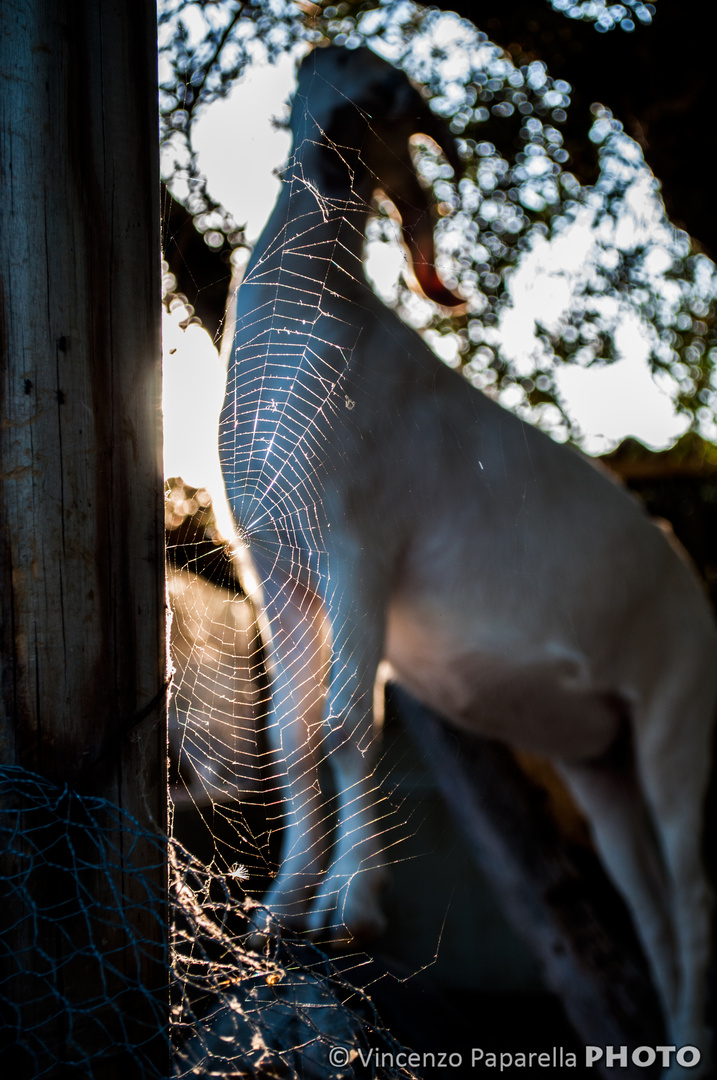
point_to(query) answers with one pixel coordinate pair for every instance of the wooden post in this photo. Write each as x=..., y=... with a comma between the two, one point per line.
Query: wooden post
x=82, y=623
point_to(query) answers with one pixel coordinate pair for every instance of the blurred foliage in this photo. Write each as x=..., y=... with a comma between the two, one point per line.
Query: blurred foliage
x=516, y=193
x=201, y=260
x=607, y=16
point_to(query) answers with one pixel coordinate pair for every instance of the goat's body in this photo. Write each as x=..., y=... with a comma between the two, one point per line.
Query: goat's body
x=395, y=512
x=476, y=539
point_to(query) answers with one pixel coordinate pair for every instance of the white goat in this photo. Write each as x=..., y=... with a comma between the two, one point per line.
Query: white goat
x=392, y=511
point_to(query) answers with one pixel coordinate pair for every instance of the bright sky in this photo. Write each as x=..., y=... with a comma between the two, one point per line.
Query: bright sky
x=238, y=151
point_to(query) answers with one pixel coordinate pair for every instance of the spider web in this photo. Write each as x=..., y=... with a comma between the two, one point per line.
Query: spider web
x=296, y=346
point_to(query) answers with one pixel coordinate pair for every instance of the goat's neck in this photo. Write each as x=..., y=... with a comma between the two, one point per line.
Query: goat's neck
x=311, y=239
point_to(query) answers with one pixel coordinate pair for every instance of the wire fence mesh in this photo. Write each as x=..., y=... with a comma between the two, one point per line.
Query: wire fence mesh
x=73, y=899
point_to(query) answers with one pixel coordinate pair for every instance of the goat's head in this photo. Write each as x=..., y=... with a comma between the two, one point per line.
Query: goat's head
x=353, y=119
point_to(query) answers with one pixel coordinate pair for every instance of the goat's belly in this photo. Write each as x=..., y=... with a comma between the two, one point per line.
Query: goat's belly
x=536, y=697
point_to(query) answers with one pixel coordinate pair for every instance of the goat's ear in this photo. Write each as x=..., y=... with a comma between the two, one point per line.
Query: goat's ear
x=339, y=150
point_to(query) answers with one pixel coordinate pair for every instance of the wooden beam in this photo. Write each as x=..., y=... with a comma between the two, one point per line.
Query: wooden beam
x=82, y=698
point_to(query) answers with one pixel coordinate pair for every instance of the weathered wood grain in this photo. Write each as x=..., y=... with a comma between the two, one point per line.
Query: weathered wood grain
x=82, y=699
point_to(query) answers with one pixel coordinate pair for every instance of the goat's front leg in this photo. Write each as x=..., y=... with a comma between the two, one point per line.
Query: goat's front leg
x=300, y=667
x=347, y=903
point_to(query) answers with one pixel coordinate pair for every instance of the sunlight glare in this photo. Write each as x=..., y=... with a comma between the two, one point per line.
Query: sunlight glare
x=620, y=399
x=192, y=396
x=240, y=150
